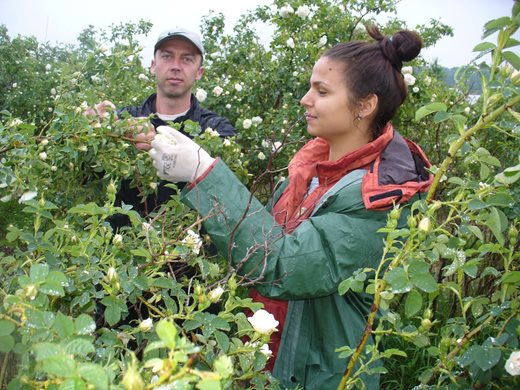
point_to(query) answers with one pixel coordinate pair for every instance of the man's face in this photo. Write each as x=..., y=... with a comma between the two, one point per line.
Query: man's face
x=176, y=65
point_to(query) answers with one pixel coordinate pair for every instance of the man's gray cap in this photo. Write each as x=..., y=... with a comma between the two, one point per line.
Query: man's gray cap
x=181, y=32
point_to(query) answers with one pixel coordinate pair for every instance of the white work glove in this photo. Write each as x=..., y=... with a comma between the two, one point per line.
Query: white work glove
x=176, y=157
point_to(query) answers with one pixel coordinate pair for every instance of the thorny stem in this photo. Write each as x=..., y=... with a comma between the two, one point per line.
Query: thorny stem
x=483, y=121
x=4, y=369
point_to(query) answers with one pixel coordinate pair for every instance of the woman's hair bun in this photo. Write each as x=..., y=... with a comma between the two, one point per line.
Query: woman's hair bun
x=408, y=44
x=404, y=45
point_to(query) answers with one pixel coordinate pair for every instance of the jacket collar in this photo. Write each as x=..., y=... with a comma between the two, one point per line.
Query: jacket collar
x=312, y=159
x=194, y=113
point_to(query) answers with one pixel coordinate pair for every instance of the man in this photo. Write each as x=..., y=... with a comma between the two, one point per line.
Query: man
x=177, y=65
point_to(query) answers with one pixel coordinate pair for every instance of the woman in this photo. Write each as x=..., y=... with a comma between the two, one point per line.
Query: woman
x=325, y=220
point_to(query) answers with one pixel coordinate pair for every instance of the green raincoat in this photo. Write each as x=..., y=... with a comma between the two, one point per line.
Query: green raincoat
x=306, y=266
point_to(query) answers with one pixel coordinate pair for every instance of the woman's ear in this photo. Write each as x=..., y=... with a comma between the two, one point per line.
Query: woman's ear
x=368, y=106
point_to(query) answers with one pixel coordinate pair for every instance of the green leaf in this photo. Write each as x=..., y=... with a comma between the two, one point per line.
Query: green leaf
x=113, y=314
x=394, y=352
x=167, y=332
x=59, y=365
x=224, y=366
x=496, y=24
x=84, y=325
x=6, y=343
x=484, y=46
x=88, y=209
x=429, y=109
x=73, y=383
x=43, y=351
x=487, y=357
x=38, y=272
x=511, y=277
x=222, y=340
x=441, y=116
x=52, y=288
x=398, y=280
x=94, y=375
x=80, y=347
x=63, y=325
x=509, y=175
x=425, y=282
x=413, y=303
x=350, y=284
x=493, y=222
x=501, y=200
x=6, y=327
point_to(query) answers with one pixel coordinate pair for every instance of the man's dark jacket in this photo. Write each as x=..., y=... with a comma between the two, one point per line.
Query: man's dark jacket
x=196, y=113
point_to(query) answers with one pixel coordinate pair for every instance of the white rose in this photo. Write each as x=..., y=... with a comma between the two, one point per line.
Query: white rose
x=407, y=70
x=238, y=87
x=228, y=106
x=83, y=148
x=303, y=11
x=95, y=78
x=256, y=120
x=425, y=224
x=226, y=142
x=193, y=241
x=48, y=67
x=266, y=351
x=145, y=325
x=103, y=48
x=27, y=196
x=142, y=76
x=290, y=43
x=43, y=156
x=201, y=95
x=467, y=110
x=215, y=294
x=415, y=89
x=153, y=185
x=247, y=123
x=53, y=91
x=512, y=365
x=212, y=133
x=118, y=239
x=111, y=274
x=44, y=142
x=15, y=85
x=323, y=41
x=54, y=168
x=217, y=91
x=263, y=322
x=261, y=156
x=409, y=79
x=285, y=11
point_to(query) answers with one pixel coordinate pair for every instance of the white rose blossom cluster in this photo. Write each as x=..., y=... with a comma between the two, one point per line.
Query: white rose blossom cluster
x=211, y=133
x=193, y=241
x=512, y=365
x=201, y=95
x=217, y=91
x=303, y=11
x=263, y=322
x=407, y=71
x=290, y=43
x=274, y=146
x=247, y=123
x=286, y=11
x=322, y=42
x=238, y=87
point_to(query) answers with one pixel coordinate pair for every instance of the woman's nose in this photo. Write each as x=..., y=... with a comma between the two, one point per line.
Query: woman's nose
x=305, y=100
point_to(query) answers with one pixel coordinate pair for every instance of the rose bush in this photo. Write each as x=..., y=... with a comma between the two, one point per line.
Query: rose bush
x=150, y=305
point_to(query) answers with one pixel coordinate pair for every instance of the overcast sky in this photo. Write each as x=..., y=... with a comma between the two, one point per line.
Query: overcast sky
x=62, y=20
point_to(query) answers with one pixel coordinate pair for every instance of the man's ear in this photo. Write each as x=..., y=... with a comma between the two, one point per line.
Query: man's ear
x=152, y=67
x=200, y=73
x=368, y=106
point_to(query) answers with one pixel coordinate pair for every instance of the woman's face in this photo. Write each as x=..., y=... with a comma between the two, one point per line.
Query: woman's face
x=328, y=109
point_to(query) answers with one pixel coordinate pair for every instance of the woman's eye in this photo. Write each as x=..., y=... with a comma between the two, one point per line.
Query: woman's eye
x=322, y=93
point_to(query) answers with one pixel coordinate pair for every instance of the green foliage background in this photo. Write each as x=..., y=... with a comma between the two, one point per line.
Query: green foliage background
x=75, y=293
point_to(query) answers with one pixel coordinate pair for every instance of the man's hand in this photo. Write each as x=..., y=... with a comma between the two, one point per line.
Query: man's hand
x=101, y=109
x=142, y=131
x=178, y=158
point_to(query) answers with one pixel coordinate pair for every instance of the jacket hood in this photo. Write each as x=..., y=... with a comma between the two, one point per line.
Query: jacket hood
x=396, y=168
